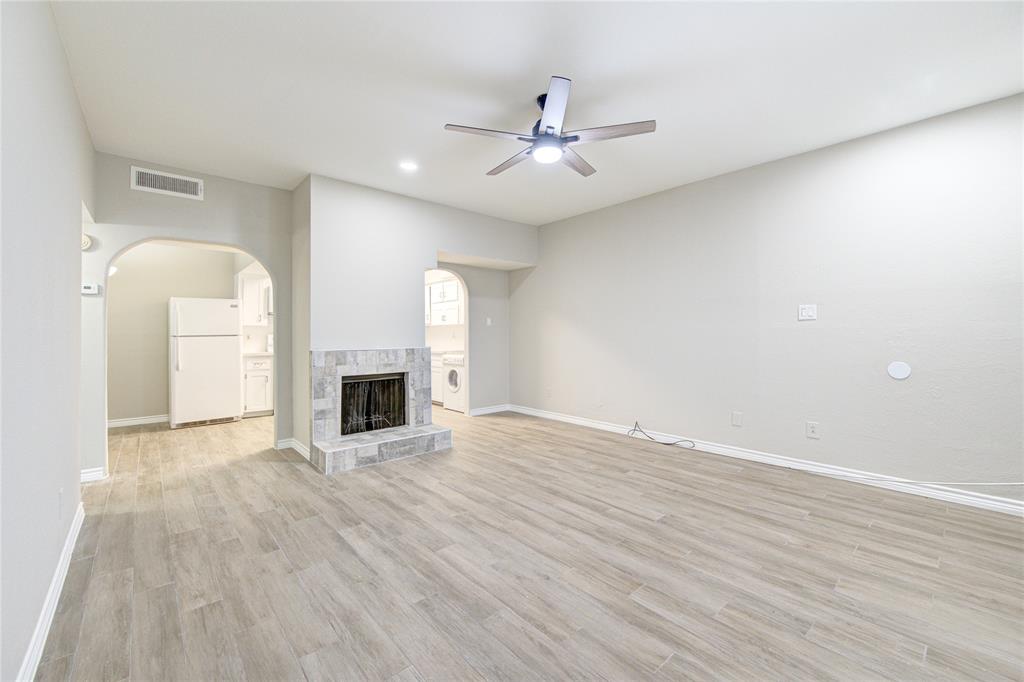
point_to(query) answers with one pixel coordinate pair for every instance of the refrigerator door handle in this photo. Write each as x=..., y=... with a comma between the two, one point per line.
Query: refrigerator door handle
x=177, y=353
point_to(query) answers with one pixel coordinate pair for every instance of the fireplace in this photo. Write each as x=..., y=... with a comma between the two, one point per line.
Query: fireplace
x=372, y=401
x=371, y=406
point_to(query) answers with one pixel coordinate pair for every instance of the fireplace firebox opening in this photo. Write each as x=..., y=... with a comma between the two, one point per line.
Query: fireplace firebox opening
x=372, y=401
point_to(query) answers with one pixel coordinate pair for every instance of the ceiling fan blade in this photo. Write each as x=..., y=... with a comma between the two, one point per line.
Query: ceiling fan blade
x=554, y=105
x=611, y=132
x=577, y=163
x=519, y=137
x=521, y=156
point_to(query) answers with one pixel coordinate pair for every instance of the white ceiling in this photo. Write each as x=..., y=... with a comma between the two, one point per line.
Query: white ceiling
x=268, y=92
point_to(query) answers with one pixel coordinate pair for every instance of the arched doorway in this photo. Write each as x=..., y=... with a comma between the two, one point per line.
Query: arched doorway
x=189, y=329
x=446, y=319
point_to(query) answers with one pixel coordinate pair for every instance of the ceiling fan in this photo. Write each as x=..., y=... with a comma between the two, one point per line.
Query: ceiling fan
x=548, y=143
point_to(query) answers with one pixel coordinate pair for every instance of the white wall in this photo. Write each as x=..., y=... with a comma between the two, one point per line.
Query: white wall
x=369, y=250
x=300, y=360
x=678, y=308
x=47, y=174
x=488, y=343
x=147, y=276
x=252, y=218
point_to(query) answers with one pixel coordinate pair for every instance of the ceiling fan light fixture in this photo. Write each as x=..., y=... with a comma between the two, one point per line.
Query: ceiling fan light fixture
x=547, y=151
x=549, y=142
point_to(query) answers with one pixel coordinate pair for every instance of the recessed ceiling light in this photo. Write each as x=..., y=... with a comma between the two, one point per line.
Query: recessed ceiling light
x=409, y=166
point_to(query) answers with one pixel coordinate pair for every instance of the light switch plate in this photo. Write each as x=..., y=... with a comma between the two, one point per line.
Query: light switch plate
x=737, y=419
x=806, y=312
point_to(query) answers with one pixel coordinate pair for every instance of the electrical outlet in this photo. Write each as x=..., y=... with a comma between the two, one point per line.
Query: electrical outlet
x=547, y=392
x=813, y=430
x=489, y=322
x=737, y=419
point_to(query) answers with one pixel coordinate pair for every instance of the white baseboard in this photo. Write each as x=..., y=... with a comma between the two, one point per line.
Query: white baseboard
x=94, y=474
x=35, y=646
x=137, y=421
x=938, y=492
x=294, y=445
x=491, y=409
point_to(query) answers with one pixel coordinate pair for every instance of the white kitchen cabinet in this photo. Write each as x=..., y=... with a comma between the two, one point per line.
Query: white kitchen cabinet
x=258, y=389
x=450, y=290
x=444, y=292
x=446, y=313
x=254, y=291
x=442, y=304
x=436, y=292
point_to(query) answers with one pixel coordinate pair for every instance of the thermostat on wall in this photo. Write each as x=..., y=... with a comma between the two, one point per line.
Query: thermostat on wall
x=90, y=289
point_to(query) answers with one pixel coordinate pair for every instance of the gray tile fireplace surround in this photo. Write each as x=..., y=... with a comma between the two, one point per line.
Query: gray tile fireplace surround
x=332, y=452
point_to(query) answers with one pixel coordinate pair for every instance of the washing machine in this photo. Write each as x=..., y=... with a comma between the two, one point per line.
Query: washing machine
x=454, y=379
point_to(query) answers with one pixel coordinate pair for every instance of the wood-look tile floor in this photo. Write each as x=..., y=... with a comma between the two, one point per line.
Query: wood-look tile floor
x=533, y=550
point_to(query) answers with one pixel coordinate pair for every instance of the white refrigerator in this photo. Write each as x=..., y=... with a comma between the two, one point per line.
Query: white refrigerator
x=205, y=360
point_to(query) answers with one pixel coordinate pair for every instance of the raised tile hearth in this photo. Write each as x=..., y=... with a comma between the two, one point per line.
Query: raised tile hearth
x=332, y=450
x=374, y=447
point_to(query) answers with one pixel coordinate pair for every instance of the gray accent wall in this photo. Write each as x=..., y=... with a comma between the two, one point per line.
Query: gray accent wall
x=679, y=308
x=47, y=175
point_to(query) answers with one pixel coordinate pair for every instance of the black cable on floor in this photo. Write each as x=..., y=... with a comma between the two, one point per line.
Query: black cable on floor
x=682, y=442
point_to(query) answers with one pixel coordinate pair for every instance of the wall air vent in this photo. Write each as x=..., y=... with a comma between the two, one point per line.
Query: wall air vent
x=148, y=180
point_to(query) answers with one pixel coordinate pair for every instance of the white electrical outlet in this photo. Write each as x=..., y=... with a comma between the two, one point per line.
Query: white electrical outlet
x=737, y=419
x=806, y=312
x=813, y=430
x=489, y=322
